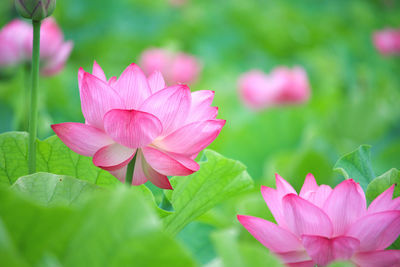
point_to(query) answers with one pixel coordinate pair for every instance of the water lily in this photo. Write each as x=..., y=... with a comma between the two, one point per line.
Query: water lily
x=321, y=224
x=16, y=45
x=283, y=86
x=176, y=67
x=164, y=126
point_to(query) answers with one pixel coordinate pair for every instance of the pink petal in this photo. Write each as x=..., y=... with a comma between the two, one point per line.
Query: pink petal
x=384, y=258
x=191, y=138
x=271, y=235
x=138, y=175
x=291, y=257
x=274, y=203
x=187, y=161
x=156, y=81
x=132, y=128
x=171, y=105
x=112, y=81
x=158, y=179
x=81, y=138
x=376, y=231
x=133, y=87
x=81, y=73
x=155, y=177
x=56, y=63
x=283, y=187
x=97, y=98
x=120, y=174
x=304, y=218
x=301, y=264
x=319, y=197
x=167, y=165
x=309, y=185
x=384, y=202
x=200, y=108
x=113, y=157
x=98, y=72
x=345, y=205
x=325, y=250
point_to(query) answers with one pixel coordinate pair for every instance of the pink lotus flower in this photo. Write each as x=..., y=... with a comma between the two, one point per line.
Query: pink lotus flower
x=176, y=67
x=387, y=41
x=282, y=86
x=321, y=225
x=16, y=45
x=165, y=127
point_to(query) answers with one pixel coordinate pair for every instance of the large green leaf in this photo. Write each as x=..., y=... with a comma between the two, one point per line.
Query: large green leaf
x=51, y=189
x=217, y=179
x=383, y=182
x=357, y=165
x=52, y=156
x=8, y=253
x=116, y=227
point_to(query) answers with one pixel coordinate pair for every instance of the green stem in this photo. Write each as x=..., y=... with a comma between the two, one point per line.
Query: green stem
x=33, y=115
x=24, y=124
x=130, y=170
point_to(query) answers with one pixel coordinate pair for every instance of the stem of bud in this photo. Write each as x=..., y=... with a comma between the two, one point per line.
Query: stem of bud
x=33, y=115
x=130, y=169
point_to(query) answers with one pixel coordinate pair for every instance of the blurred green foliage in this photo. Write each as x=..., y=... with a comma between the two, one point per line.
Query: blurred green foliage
x=355, y=91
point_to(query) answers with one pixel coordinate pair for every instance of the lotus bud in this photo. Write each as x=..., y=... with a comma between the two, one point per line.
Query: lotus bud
x=36, y=10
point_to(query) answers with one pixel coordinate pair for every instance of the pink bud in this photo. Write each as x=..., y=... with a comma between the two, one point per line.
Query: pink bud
x=35, y=9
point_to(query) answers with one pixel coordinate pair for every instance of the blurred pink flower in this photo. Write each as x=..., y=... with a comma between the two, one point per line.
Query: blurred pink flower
x=177, y=2
x=387, y=41
x=321, y=224
x=165, y=127
x=13, y=37
x=283, y=86
x=16, y=45
x=176, y=67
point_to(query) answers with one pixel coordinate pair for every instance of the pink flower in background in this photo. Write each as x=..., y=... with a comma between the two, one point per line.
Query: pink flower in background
x=12, y=42
x=321, y=224
x=258, y=90
x=177, y=2
x=165, y=127
x=283, y=86
x=175, y=67
x=387, y=41
x=16, y=45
